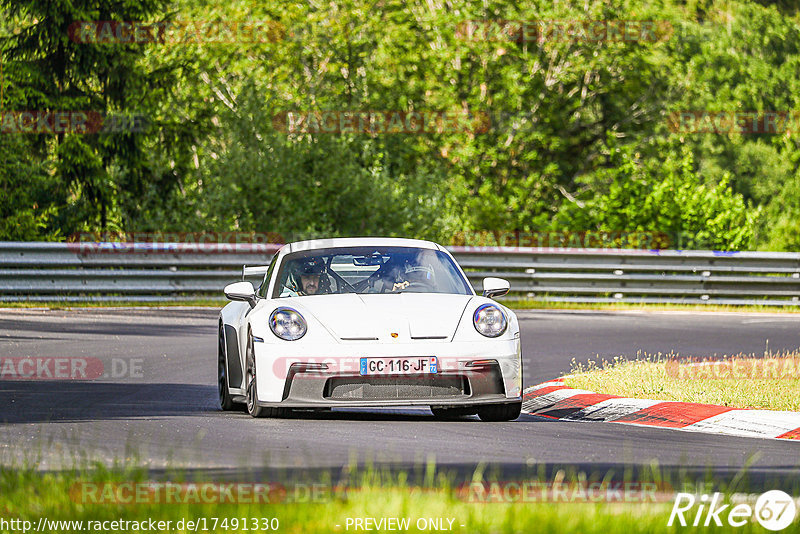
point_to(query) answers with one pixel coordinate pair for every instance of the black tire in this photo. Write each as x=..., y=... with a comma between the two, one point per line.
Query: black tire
x=453, y=413
x=500, y=412
x=250, y=384
x=226, y=403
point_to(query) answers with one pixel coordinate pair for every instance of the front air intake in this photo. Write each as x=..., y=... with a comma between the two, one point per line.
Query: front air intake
x=389, y=388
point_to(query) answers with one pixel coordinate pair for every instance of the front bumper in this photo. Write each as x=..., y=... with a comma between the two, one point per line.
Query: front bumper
x=297, y=381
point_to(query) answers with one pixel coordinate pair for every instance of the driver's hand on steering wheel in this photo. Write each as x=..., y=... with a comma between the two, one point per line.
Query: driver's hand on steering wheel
x=400, y=285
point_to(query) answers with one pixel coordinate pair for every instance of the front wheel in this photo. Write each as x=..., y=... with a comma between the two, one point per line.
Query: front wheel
x=500, y=412
x=250, y=392
x=225, y=401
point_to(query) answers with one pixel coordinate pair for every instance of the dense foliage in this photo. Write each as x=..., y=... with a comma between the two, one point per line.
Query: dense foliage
x=563, y=134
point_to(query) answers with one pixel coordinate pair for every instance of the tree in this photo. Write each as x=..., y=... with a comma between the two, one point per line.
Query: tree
x=100, y=180
x=664, y=197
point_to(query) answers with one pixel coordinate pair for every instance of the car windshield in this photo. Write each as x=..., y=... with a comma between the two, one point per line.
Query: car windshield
x=369, y=270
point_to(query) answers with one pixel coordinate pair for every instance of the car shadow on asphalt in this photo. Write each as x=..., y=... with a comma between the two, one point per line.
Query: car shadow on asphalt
x=109, y=327
x=416, y=414
x=53, y=401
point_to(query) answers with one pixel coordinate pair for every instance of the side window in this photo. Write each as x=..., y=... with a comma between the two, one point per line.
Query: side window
x=262, y=290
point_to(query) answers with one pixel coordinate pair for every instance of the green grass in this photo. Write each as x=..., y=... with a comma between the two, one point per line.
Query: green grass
x=634, y=306
x=26, y=494
x=513, y=304
x=771, y=383
x=65, y=305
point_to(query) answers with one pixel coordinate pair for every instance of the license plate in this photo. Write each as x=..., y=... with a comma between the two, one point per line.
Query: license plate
x=398, y=366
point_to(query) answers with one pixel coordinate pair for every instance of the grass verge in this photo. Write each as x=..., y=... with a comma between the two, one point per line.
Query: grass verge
x=27, y=495
x=513, y=304
x=636, y=306
x=65, y=305
x=768, y=383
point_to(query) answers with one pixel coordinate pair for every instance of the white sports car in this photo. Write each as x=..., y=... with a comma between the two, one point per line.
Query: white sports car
x=368, y=322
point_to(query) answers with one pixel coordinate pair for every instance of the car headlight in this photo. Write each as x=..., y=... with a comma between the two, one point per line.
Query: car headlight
x=489, y=320
x=287, y=324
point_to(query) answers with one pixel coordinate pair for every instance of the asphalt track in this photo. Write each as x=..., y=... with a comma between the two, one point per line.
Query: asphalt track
x=165, y=416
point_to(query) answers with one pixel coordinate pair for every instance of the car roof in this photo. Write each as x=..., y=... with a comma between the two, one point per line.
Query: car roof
x=342, y=242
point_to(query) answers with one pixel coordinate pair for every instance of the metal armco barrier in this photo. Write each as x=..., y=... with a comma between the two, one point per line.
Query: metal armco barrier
x=186, y=271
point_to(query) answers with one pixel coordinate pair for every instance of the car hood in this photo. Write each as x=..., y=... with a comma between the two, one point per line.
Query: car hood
x=411, y=316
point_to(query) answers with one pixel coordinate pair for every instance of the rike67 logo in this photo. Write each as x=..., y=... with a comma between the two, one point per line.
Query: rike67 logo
x=773, y=510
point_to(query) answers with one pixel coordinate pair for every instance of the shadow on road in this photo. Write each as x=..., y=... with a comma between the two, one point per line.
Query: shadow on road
x=419, y=413
x=71, y=401
x=120, y=327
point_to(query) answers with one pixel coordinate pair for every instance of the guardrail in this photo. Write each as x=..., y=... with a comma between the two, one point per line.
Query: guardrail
x=187, y=271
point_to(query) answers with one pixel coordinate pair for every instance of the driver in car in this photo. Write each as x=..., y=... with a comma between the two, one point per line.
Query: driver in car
x=310, y=283
x=411, y=275
x=307, y=276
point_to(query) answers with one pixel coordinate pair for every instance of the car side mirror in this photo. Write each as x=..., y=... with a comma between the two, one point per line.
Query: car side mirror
x=241, y=291
x=495, y=287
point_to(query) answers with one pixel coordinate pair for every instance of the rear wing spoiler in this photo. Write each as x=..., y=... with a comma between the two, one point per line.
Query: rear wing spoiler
x=255, y=270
